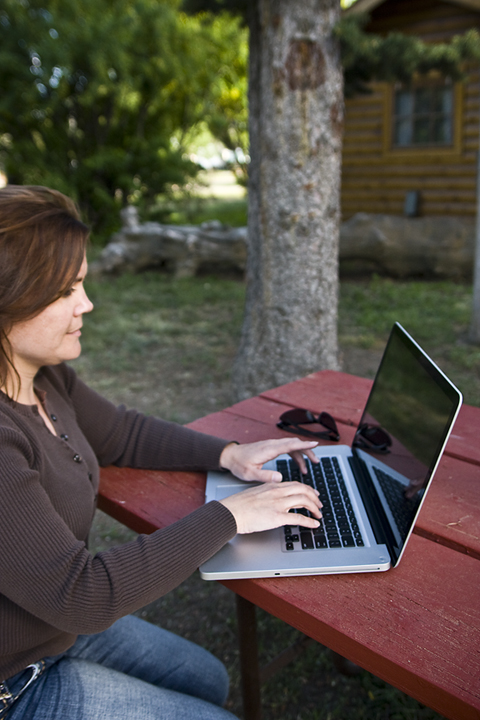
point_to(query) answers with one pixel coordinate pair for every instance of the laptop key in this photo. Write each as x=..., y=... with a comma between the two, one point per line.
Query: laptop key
x=332, y=535
x=306, y=540
x=335, y=543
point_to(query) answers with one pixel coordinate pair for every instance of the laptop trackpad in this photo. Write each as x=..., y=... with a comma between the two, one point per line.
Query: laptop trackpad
x=223, y=491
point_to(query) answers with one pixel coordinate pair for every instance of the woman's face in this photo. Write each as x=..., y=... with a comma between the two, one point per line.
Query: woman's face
x=53, y=336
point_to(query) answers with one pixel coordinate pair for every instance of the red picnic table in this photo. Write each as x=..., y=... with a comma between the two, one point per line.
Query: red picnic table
x=416, y=626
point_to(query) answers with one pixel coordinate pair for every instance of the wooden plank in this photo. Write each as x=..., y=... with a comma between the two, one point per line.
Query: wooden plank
x=451, y=512
x=354, y=113
x=417, y=159
x=450, y=196
x=350, y=208
x=145, y=500
x=236, y=428
x=430, y=185
x=341, y=394
x=464, y=441
x=452, y=172
x=431, y=207
x=417, y=626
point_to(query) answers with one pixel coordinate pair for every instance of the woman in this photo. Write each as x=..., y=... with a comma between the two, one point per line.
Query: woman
x=69, y=647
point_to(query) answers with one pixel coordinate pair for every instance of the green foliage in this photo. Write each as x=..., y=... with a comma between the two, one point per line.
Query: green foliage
x=227, y=114
x=398, y=57
x=239, y=7
x=99, y=99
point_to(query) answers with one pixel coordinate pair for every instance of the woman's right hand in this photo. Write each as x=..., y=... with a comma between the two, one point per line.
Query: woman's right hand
x=267, y=506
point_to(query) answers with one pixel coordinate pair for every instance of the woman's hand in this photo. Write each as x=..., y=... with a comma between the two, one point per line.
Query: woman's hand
x=245, y=461
x=265, y=507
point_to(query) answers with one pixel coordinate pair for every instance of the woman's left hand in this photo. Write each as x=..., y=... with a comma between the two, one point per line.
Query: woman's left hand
x=246, y=461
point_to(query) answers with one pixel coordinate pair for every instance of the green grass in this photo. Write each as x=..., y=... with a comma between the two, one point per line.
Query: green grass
x=135, y=315
x=154, y=316
x=194, y=211
x=436, y=314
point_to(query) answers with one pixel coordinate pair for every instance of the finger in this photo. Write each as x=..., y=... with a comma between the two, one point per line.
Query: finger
x=267, y=476
x=303, y=521
x=296, y=444
x=306, y=504
x=311, y=456
x=303, y=497
x=300, y=460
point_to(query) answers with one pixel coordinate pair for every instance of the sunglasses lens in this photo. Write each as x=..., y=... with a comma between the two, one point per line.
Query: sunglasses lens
x=373, y=437
x=327, y=421
x=377, y=436
x=296, y=416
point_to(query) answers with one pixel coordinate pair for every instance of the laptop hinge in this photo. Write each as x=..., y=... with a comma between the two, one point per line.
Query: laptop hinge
x=376, y=514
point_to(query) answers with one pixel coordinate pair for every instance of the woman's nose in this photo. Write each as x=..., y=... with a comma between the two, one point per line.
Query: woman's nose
x=85, y=305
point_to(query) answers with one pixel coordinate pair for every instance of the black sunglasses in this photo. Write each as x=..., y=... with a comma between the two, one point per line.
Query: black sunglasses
x=291, y=420
x=373, y=438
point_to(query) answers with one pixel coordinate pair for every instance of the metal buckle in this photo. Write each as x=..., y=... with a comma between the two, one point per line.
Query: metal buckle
x=7, y=698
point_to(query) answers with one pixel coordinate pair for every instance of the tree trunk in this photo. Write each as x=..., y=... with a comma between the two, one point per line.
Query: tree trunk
x=296, y=122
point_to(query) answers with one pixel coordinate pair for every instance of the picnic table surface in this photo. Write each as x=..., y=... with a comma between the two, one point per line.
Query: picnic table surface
x=416, y=626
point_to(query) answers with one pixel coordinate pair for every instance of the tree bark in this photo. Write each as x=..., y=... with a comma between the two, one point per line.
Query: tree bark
x=296, y=123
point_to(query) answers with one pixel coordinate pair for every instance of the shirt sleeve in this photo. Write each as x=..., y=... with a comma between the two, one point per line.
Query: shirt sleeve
x=48, y=572
x=128, y=438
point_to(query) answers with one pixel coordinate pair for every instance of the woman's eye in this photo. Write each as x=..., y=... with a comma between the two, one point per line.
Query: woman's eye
x=67, y=293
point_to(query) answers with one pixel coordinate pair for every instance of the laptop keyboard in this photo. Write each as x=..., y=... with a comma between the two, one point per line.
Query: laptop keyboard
x=338, y=526
x=401, y=507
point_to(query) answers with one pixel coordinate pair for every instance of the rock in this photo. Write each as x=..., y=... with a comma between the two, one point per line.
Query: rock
x=399, y=247
x=428, y=247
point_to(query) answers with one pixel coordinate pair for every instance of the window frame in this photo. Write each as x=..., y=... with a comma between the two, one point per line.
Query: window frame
x=418, y=151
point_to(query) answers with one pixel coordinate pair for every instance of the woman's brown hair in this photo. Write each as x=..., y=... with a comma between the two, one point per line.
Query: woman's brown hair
x=42, y=246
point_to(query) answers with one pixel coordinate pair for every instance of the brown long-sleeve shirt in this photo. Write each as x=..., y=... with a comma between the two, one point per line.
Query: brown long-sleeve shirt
x=51, y=587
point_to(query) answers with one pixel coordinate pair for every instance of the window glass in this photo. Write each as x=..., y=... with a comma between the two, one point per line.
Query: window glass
x=423, y=116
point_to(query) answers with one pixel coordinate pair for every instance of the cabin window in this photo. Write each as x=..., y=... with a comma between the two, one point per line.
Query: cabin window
x=423, y=116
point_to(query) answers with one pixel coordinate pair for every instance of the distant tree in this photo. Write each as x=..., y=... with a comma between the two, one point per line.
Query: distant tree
x=99, y=99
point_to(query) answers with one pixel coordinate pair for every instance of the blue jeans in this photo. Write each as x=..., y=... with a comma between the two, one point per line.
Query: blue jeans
x=133, y=670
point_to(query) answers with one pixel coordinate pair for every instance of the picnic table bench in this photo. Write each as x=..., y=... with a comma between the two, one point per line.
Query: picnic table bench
x=416, y=626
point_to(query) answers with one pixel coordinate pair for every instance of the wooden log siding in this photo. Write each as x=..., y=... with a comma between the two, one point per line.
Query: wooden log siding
x=375, y=176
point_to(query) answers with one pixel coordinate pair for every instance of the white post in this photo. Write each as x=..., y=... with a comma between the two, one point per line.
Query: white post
x=475, y=323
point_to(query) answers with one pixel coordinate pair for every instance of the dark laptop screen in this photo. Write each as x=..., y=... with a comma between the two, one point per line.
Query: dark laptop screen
x=405, y=423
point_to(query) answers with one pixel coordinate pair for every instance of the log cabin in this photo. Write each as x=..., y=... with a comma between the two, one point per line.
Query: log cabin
x=413, y=150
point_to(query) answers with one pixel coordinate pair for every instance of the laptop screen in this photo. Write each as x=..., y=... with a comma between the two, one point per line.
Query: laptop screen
x=404, y=428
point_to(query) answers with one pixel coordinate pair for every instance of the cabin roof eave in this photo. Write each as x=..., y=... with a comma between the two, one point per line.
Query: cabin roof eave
x=366, y=6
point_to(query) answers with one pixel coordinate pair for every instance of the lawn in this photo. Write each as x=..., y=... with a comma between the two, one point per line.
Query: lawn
x=166, y=346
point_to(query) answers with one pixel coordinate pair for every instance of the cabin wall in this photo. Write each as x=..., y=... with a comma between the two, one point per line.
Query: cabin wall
x=375, y=176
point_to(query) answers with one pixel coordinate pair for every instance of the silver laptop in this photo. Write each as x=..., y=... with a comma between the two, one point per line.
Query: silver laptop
x=371, y=492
